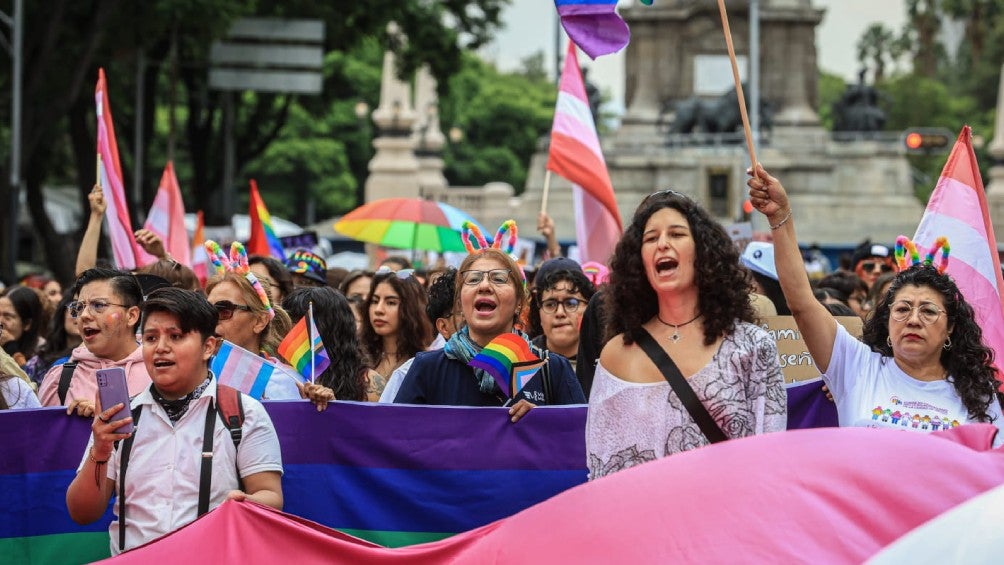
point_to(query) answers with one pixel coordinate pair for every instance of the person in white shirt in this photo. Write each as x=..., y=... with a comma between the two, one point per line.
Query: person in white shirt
x=162, y=486
x=921, y=365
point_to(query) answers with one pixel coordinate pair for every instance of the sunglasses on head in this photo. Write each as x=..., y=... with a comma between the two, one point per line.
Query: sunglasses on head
x=669, y=192
x=402, y=274
x=869, y=266
x=225, y=309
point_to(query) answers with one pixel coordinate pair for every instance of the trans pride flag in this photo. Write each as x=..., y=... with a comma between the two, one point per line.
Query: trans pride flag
x=509, y=361
x=241, y=369
x=594, y=25
x=263, y=240
x=308, y=360
x=958, y=210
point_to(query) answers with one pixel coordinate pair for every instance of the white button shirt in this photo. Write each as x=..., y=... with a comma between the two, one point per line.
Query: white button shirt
x=162, y=482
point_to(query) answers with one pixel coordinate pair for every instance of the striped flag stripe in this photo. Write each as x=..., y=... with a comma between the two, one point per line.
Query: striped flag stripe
x=968, y=247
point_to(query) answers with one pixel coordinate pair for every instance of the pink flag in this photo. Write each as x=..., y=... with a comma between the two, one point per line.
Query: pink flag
x=575, y=154
x=200, y=259
x=958, y=210
x=167, y=218
x=124, y=247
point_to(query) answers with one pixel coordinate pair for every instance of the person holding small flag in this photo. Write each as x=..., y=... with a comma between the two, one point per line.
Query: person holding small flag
x=492, y=294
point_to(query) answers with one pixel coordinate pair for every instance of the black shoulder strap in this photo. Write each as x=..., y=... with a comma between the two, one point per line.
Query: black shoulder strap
x=65, y=375
x=230, y=406
x=206, y=471
x=682, y=389
x=123, y=464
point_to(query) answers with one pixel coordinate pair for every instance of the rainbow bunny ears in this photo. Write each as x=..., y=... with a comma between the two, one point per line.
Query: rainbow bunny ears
x=471, y=231
x=237, y=262
x=905, y=245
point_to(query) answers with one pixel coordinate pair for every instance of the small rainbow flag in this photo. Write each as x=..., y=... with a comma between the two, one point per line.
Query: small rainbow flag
x=262, y=240
x=296, y=349
x=508, y=359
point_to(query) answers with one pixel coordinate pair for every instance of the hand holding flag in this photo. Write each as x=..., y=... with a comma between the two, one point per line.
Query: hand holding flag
x=297, y=350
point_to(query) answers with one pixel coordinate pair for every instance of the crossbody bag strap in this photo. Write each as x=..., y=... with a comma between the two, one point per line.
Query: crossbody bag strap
x=681, y=387
x=65, y=376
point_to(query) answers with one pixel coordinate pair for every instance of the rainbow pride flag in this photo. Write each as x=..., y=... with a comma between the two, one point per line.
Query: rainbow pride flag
x=394, y=475
x=297, y=350
x=508, y=359
x=263, y=240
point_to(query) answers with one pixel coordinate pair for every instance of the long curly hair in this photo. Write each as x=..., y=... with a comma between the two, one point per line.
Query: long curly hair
x=723, y=286
x=414, y=331
x=969, y=363
x=337, y=327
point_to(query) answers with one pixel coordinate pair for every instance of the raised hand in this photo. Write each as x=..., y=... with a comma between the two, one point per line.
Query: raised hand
x=768, y=196
x=96, y=197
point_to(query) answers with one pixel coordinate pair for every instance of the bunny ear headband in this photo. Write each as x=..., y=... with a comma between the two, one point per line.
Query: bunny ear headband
x=504, y=240
x=904, y=245
x=237, y=262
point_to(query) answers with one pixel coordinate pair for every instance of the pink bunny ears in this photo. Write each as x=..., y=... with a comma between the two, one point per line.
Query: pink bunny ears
x=904, y=245
x=471, y=231
x=237, y=262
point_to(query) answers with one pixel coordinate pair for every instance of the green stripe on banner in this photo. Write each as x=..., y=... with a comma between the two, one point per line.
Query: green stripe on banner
x=395, y=539
x=56, y=549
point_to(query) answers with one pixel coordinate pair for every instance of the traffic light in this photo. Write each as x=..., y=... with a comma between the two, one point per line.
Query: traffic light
x=926, y=140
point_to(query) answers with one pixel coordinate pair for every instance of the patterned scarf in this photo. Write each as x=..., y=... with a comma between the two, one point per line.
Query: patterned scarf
x=175, y=409
x=461, y=347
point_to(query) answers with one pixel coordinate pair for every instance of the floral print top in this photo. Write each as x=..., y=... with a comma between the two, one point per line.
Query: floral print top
x=631, y=423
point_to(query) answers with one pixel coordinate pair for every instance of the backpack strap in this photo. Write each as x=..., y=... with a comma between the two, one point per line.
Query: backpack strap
x=206, y=471
x=65, y=375
x=230, y=406
x=123, y=465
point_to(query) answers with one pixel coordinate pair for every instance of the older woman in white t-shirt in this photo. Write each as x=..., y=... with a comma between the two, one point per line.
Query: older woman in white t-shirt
x=921, y=364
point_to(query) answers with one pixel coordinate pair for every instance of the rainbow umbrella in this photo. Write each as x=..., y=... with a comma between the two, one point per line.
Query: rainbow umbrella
x=406, y=223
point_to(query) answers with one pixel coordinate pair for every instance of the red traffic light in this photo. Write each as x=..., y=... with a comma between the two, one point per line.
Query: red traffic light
x=926, y=140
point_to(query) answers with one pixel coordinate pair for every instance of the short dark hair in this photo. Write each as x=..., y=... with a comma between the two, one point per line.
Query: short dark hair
x=441, y=295
x=123, y=283
x=191, y=308
x=577, y=280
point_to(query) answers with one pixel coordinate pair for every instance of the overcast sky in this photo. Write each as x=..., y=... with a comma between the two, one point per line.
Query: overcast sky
x=530, y=27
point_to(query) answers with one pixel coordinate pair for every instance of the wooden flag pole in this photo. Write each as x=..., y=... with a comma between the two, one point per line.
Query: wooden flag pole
x=739, y=84
x=547, y=188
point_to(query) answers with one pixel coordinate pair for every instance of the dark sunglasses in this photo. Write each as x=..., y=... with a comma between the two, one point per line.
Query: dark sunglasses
x=668, y=191
x=226, y=309
x=870, y=266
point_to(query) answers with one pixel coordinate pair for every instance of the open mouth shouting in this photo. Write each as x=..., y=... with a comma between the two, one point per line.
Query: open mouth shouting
x=162, y=363
x=89, y=332
x=666, y=266
x=485, y=307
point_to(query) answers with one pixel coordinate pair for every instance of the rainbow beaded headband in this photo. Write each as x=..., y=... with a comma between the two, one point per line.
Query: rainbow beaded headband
x=504, y=240
x=237, y=262
x=905, y=246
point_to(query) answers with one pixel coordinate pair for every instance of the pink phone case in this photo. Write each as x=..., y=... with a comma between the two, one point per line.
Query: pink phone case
x=112, y=390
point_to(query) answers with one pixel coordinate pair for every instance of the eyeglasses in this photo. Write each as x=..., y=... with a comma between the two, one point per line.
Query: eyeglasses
x=928, y=313
x=402, y=274
x=226, y=309
x=96, y=307
x=870, y=266
x=551, y=305
x=497, y=277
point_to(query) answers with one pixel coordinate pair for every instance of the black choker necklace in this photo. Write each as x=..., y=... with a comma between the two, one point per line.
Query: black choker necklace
x=676, y=327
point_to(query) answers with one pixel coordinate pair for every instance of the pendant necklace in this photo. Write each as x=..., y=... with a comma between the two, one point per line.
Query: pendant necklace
x=676, y=327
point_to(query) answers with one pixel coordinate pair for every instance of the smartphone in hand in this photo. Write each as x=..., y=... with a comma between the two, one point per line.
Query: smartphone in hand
x=112, y=390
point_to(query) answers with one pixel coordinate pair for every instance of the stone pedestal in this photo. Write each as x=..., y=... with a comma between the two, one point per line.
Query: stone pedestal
x=428, y=136
x=995, y=187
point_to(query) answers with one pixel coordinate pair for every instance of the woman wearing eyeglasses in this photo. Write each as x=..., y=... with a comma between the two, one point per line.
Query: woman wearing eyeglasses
x=559, y=300
x=491, y=294
x=106, y=310
x=245, y=321
x=676, y=284
x=921, y=364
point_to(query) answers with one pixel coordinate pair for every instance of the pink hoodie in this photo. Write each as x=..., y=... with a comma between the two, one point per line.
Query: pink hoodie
x=84, y=384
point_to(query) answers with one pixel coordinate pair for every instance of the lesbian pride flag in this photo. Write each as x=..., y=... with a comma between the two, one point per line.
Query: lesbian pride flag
x=167, y=217
x=958, y=210
x=594, y=25
x=575, y=154
x=263, y=240
x=508, y=359
x=124, y=247
x=296, y=348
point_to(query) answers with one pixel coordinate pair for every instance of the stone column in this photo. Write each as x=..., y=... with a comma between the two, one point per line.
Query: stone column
x=394, y=168
x=428, y=136
x=995, y=188
x=642, y=73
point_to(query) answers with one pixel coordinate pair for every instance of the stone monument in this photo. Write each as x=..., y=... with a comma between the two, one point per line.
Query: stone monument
x=995, y=188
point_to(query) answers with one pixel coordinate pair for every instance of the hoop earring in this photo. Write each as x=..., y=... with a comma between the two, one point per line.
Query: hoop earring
x=948, y=343
x=888, y=341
